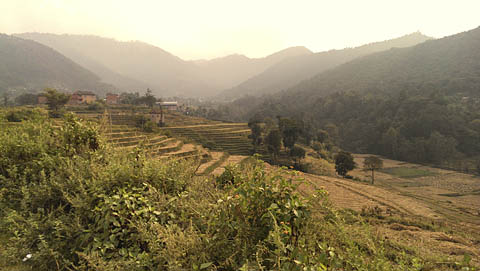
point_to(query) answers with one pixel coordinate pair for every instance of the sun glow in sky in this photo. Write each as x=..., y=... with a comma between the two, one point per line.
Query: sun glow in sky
x=193, y=29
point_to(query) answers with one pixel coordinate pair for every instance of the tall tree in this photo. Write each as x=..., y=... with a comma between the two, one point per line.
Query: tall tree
x=256, y=135
x=372, y=163
x=26, y=99
x=274, y=143
x=344, y=163
x=297, y=154
x=322, y=136
x=440, y=147
x=389, y=143
x=55, y=100
x=290, y=130
x=149, y=99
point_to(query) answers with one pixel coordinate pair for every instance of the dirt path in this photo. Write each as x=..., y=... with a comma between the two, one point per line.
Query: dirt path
x=232, y=159
x=185, y=148
x=215, y=157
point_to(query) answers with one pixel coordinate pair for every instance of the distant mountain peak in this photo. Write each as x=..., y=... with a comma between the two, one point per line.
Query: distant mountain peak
x=291, y=51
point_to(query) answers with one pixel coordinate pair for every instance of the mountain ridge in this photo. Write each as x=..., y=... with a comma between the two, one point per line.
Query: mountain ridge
x=28, y=65
x=437, y=62
x=293, y=70
x=136, y=64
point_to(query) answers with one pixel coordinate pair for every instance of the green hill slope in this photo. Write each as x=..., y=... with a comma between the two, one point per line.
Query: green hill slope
x=450, y=64
x=418, y=104
x=136, y=65
x=293, y=70
x=25, y=64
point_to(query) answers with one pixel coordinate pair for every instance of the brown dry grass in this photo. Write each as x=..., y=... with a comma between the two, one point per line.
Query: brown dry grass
x=215, y=157
x=452, y=195
x=232, y=159
x=411, y=216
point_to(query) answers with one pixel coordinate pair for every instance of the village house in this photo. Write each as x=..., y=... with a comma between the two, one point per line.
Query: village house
x=169, y=105
x=156, y=116
x=82, y=97
x=41, y=99
x=112, y=98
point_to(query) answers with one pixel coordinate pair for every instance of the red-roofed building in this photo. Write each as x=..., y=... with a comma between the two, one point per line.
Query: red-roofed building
x=112, y=98
x=80, y=97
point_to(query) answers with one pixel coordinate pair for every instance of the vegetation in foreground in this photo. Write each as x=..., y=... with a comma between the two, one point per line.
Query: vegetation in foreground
x=68, y=201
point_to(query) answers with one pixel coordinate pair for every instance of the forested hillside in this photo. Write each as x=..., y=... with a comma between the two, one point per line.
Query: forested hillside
x=28, y=65
x=417, y=104
x=293, y=70
x=137, y=65
x=230, y=71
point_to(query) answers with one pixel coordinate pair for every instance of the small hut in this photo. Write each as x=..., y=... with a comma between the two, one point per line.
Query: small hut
x=156, y=116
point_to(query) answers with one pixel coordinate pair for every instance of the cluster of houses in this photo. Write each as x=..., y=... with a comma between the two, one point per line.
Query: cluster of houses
x=88, y=97
x=82, y=97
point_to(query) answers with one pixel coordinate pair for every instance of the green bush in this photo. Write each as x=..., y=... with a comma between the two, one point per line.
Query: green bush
x=96, y=106
x=74, y=203
x=22, y=114
x=144, y=123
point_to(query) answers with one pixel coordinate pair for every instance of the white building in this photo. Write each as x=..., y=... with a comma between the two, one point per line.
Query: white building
x=169, y=105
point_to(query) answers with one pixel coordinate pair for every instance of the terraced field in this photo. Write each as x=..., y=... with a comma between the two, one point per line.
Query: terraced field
x=418, y=222
x=424, y=194
x=228, y=137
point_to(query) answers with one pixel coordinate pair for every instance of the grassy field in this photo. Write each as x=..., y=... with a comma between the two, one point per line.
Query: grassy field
x=406, y=172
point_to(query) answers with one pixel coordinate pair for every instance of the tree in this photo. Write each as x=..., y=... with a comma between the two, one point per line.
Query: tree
x=256, y=135
x=129, y=98
x=372, y=163
x=290, y=130
x=297, y=154
x=333, y=133
x=55, y=100
x=26, y=98
x=322, y=136
x=274, y=143
x=389, y=143
x=149, y=99
x=344, y=163
x=440, y=148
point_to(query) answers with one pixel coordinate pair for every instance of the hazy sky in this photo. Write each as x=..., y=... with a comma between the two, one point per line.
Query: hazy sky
x=194, y=29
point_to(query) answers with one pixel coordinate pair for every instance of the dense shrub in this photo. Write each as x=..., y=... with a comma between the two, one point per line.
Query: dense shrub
x=96, y=106
x=72, y=202
x=21, y=114
x=144, y=123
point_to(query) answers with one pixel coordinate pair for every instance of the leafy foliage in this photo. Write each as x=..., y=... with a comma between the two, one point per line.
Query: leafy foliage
x=344, y=163
x=22, y=114
x=274, y=142
x=418, y=104
x=55, y=100
x=144, y=123
x=73, y=203
x=26, y=99
x=297, y=153
x=372, y=163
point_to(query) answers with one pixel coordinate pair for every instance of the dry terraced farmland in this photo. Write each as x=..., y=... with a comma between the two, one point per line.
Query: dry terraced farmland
x=431, y=210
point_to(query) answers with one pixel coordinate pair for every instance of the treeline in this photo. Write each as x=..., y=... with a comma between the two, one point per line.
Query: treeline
x=417, y=104
x=437, y=129
x=287, y=141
